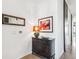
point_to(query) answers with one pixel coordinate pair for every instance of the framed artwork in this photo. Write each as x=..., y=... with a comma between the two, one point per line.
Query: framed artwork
x=46, y=24
x=12, y=20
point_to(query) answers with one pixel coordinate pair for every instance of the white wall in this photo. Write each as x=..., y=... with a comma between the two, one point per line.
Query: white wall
x=16, y=45
x=45, y=9
x=59, y=30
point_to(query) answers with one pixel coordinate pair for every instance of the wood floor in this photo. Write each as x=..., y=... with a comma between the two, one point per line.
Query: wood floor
x=31, y=56
x=70, y=54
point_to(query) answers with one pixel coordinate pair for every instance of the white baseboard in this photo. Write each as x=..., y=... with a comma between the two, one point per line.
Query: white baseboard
x=61, y=54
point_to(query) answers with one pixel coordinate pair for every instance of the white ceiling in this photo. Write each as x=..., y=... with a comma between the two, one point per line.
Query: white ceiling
x=72, y=6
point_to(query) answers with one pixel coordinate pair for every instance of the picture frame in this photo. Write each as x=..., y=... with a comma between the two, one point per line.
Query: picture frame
x=46, y=24
x=12, y=20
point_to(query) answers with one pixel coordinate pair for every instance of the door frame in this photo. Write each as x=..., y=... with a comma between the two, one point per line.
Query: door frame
x=64, y=25
x=64, y=46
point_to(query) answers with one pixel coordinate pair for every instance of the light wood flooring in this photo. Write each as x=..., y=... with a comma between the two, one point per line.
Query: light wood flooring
x=31, y=56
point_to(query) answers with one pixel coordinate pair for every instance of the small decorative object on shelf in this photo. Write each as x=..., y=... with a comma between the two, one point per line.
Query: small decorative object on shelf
x=36, y=30
x=12, y=20
x=36, y=34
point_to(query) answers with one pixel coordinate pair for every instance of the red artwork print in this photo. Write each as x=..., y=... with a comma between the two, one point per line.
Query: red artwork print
x=45, y=25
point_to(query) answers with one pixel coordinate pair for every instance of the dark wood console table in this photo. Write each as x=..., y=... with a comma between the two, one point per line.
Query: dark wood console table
x=44, y=47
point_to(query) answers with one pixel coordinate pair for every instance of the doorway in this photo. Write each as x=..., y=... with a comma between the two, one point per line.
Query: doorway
x=67, y=27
